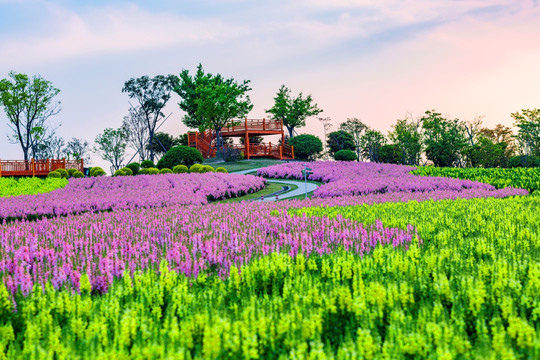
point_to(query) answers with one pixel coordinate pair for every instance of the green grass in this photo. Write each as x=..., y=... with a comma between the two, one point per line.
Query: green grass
x=242, y=164
x=269, y=189
x=10, y=186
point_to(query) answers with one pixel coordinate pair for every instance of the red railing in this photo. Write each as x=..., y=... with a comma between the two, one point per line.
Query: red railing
x=252, y=125
x=40, y=167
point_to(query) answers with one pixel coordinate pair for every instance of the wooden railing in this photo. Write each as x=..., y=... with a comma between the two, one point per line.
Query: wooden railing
x=39, y=167
x=253, y=125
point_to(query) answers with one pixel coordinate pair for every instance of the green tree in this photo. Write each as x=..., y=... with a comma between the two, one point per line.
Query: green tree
x=162, y=142
x=340, y=140
x=487, y=153
x=371, y=143
x=52, y=147
x=252, y=140
x=152, y=95
x=78, y=149
x=306, y=146
x=28, y=103
x=528, y=124
x=444, y=139
x=356, y=128
x=292, y=110
x=134, y=125
x=406, y=135
x=111, y=146
x=390, y=154
x=211, y=101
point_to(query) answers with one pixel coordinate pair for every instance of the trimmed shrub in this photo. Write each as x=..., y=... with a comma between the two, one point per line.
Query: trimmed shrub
x=55, y=175
x=127, y=170
x=77, y=174
x=134, y=167
x=64, y=173
x=165, y=171
x=143, y=171
x=345, y=155
x=119, y=172
x=231, y=154
x=153, y=171
x=180, y=155
x=206, y=168
x=221, y=170
x=306, y=146
x=145, y=164
x=180, y=169
x=196, y=168
x=72, y=171
x=94, y=169
x=99, y=172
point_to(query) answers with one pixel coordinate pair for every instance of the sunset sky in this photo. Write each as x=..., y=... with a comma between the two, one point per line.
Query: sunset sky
x=374, y=60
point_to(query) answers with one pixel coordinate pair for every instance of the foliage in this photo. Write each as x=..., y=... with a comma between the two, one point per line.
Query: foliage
x=180, y=169
x=345, y=155
x=486, y=153
x=71, y=171
x=119, y=172
x=78, y=149
x=340, y=140
x=162, y=142
x=55, y=175
x=134, y=167
x=528, y=123
x=111, y=146
x=211, y=101
x=444, y=139
x=28, y=103
x=180, y=155
x=99, y=172
x=524, y=178
x=165, y=171
x=371, y=143
x=356, y=128
x=152, y=171
x=306, y=146
x=407, y=137
x=221, y=170
x=390, y=154
x=152, y=95
x=94, y=169
x=231, y=154
x=78, y=174
x=252, y=140
x=145, y=164
x=127, y=171
x=51, y=147
x=135, y=126
x=501, y=134
x=292, y=110
x=30, y=186
x=63, y=172
x=195, y=168
x=524, y=161
x=206, y=168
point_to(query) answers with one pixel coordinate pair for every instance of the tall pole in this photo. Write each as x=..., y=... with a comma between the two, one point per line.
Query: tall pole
x=326, y=126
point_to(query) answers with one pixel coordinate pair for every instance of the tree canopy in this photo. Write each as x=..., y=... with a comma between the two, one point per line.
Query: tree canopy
x=111, y=146
x=292, y=110
x=28, y=103
x=340, y=140
x=356, y=128
x=528, y=124
x=407, y=137
x=445, y=139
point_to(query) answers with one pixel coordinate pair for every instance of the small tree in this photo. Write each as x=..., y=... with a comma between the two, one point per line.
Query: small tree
x=528, y=124
x=28, y=103
x=306, y=147
x=371, y=143
x=252, y=140
x=162, y=142
x=136, y=129
x=78, y=149
x=211, y=101
x=356, y=128
x=444, y=139
x=51, y=148
x=180, y=155
x=152, y=95
x=407, y=137
x=292, y=110
x=501, y=134
x=111, y=146
x=340, y=140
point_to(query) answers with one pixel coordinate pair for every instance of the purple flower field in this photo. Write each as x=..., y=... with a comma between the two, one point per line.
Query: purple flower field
x=353, y=178
x=124, y=192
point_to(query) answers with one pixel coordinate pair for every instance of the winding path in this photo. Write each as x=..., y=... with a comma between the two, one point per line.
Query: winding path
x=301, y=190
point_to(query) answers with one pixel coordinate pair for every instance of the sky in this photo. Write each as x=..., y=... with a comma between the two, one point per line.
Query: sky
x=376, y=60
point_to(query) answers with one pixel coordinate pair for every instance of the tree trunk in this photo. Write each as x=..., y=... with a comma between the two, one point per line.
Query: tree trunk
x=150, y=138
x=291, y=129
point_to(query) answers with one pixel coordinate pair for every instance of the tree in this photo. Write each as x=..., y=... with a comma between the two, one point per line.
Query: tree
x=340, y=140
x=51, y=148
x=501, y=134
x=306, y=146
x=111, y=146
x=407, y=137
x=444, y=139
x=292, y=110
x=356, y=128
x=162, y=142
x=528, y=123
x=486, y=153
x=152, y=95
x=253, y=140
x=135, y=127
x=79, y=149
x=371, y=143
x=211, y=101
x=390, y=154
x=28, y=103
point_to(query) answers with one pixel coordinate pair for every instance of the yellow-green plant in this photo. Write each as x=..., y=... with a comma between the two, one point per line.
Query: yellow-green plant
x=29, y=186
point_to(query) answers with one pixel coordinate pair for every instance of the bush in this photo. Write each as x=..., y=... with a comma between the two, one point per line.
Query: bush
x=94, y=169
x=390, y=154
x=221, y=170
x=306, y=146
x=180, y=155
x=345, y=155
x=127, y=170
x=153, y=171
x=524, y=161
x=206, y=168
x=99, y=172
x=195, y=168
x=180, y=169
x=143, y=171
x=340, y=140
x=63, y=172
x=145, y=164
x=165, y=171
x=77, y=174
x=134, y=167
x=231, y=154
x=55, y=175
x=72, y=171
x=119, y=172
